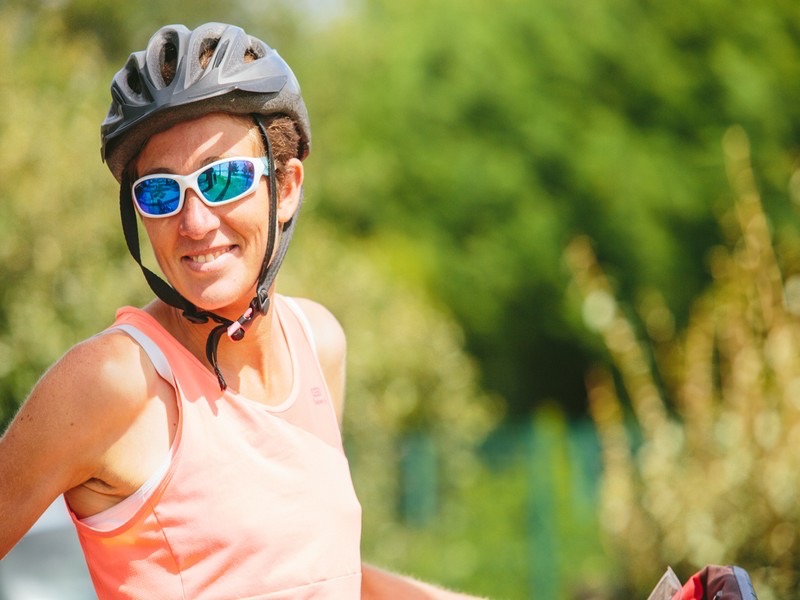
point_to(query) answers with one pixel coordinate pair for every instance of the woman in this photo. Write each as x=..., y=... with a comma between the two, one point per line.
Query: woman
x=196, y=440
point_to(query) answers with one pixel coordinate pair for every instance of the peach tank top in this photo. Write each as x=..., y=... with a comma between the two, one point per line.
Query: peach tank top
x=255, y=502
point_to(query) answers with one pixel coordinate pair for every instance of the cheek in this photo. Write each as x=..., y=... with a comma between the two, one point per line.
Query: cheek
x=251, y=219
x=156, y=234
x=151, y=229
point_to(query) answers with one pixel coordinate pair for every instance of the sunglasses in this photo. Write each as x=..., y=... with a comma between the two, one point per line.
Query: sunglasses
x=223, y=181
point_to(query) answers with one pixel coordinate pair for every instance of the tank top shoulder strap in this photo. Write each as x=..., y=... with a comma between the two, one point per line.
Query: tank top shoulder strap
x=150, y=348
x=301, y=317
x=150, y=336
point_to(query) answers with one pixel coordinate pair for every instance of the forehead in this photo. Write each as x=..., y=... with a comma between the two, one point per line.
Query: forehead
x=189, y=144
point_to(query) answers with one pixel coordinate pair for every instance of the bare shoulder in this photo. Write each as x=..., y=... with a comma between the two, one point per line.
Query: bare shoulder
x=102, y=367
x=72, y=402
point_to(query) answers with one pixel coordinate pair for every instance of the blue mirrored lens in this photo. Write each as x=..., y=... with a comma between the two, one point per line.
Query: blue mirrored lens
x=227, y=180
x=157, y=196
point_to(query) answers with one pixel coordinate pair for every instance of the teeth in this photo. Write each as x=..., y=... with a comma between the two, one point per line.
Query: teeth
x=204, y=258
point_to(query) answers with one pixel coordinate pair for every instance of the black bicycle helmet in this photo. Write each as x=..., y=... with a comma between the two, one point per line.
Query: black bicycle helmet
x=213, y=68
x=244, y=76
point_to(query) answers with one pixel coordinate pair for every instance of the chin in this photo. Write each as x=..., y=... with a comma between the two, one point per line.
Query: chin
x=224, y=304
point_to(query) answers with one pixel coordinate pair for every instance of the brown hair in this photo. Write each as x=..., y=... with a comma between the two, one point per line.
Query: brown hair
x=284, y=138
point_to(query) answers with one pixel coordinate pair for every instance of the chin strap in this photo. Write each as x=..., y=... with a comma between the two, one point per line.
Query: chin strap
x=235, y=330
x=259, y=305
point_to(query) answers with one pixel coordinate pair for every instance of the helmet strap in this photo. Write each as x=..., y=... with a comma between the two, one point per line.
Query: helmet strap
x=271, y=264
x=160, y=287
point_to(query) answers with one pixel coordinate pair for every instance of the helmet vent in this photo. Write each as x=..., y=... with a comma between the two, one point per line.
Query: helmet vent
x=169, y=62
x=253, y=52
x=207, y=51
x=134, y=82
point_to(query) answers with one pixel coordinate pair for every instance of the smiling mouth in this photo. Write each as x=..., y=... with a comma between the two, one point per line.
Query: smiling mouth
x=208, y=257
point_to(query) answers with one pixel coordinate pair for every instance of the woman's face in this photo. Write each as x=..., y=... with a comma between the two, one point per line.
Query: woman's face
x=211, y=255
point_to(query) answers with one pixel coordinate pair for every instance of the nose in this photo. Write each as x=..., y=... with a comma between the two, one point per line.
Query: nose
x=196, y=218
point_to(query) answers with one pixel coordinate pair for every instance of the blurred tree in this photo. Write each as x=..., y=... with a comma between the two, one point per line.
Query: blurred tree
x=469, y=140
x=122, y=27
x=714, y=480
x=64, y=264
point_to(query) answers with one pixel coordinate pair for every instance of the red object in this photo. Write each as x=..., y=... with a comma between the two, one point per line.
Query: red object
x=718, y=583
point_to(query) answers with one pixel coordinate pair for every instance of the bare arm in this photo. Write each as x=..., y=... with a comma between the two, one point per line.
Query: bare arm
x=377, y=584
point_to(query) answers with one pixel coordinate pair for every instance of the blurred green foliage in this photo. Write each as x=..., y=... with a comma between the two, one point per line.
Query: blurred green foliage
x=63, y=263
x=470, y=140
x=459, y=146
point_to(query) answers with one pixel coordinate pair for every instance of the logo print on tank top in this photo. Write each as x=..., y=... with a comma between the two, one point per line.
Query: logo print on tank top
x=317, y=395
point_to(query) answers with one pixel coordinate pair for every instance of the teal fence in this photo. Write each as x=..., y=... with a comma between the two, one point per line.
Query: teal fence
x=534, y=509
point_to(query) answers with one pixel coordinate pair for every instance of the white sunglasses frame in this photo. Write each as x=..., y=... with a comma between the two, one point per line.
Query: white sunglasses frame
x=189, y=182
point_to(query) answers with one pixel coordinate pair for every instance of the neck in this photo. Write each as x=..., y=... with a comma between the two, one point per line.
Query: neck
x=257, y=362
